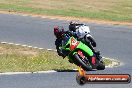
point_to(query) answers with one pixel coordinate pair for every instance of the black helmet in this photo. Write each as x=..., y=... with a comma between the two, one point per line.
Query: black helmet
x=58, y=31
x=72, y=26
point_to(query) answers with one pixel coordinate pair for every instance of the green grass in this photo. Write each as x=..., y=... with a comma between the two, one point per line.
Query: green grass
x=20, y=59
x=107, y=61
x=119, y=10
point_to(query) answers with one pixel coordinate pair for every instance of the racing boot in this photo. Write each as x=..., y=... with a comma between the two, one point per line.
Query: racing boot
x=97, y=53
x=93, y=62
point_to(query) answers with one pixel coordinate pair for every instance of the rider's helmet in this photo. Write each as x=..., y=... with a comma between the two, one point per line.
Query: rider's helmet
x=58, y=31
x=72, y=26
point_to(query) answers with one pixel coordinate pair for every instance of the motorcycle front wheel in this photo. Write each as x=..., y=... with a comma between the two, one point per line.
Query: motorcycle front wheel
x=81, y=63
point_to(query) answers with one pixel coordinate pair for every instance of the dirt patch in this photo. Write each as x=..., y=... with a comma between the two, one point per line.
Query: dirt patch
x=69, y=18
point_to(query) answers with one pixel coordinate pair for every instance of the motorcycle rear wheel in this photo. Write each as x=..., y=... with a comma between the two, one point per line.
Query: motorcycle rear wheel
x=101, y=66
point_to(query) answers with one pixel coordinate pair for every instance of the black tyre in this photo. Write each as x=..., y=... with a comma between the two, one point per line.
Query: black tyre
x=81, y=63
x=101, y=66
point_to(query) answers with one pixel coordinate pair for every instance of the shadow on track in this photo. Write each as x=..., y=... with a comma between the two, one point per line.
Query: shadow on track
x=74, y=70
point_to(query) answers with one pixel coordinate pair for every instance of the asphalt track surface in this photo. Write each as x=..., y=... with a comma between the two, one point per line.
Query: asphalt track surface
x=114, y=41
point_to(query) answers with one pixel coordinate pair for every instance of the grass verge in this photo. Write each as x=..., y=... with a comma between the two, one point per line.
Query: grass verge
x=119, y=10
x=23, y=59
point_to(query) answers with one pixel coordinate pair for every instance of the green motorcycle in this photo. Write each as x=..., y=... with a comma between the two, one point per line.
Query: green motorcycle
x=80, y=54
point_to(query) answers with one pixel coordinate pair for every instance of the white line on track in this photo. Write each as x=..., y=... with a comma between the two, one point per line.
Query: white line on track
x=17, y=44
x=11, y=43
x=18, y=73
x=24, y=45
x=3, y=42
x=40, y=48
x=36, y=47
x=29, y=46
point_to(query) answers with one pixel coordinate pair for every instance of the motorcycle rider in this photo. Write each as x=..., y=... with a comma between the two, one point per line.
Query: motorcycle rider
x=58, y=32
x=82, y=32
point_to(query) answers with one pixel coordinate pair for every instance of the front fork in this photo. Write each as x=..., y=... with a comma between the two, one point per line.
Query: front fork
x=92, y=59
